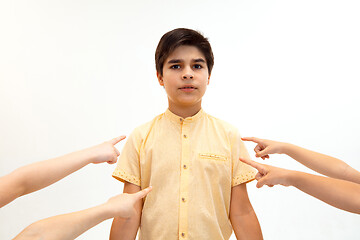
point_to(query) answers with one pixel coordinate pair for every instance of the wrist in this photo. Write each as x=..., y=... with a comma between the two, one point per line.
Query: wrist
x=89, y=155
x=293, y=177
x=106, y=211
x=81, y=157
x=286, y=148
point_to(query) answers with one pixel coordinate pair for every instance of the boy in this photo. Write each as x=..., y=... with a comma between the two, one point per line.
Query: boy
x=189, y=157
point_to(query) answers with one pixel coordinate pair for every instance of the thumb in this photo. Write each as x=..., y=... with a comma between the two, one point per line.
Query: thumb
x=117, y=139
x=263, y=153
x=143, y=193
x=261, y=182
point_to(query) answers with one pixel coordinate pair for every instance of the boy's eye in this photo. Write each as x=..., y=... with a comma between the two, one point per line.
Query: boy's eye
x=197, y=66
x=175, y=66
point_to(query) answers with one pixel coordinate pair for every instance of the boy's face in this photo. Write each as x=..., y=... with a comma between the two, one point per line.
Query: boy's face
x=185, y=77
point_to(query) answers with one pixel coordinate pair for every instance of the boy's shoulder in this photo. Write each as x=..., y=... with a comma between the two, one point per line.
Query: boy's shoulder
x=221, y=123
x=145, y=127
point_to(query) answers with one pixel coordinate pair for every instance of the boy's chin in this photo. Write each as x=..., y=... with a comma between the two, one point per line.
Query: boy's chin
x=190, y=103
x=185, y=101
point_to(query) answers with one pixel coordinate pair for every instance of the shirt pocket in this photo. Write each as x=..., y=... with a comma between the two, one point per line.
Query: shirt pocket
x=216, y=158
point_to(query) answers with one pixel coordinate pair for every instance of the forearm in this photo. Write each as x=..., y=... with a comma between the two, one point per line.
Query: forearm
x=246, y=226
x=341, y=194
x=42, y=174
x=322, y=163
x=67, y=226
x=124, y=229
x=242, y=215
x=10, y=189
x=38, y=175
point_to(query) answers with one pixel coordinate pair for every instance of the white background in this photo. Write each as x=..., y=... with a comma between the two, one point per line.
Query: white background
x=77, y=73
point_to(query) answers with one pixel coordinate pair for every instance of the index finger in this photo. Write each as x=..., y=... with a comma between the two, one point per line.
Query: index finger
x=143, y=192
x=252, y=163
x=117, y=139
x=252, y=139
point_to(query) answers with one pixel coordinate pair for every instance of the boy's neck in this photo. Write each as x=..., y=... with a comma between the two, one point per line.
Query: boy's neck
x=185, y=112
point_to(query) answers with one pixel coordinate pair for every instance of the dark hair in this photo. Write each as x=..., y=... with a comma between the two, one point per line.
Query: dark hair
x=179, y=37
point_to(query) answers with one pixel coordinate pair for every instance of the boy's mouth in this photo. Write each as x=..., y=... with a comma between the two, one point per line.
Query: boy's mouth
x=188, y=88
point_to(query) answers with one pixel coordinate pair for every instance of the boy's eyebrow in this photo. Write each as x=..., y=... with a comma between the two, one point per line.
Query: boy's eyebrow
x=175, y=61
x=199, y=60
x=180, y=61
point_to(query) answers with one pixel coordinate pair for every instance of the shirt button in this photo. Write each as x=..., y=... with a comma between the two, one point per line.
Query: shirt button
x=183, y=199
x=183, y=234
x=185, y=167
x=185, y=136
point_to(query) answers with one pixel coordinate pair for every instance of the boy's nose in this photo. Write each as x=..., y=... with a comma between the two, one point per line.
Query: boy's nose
x=188, y=75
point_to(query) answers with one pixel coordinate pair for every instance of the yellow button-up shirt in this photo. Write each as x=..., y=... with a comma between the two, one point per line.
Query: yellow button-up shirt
x=192, y=164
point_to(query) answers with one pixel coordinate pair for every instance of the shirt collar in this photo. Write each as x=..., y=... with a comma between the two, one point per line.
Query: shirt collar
x=175, y=118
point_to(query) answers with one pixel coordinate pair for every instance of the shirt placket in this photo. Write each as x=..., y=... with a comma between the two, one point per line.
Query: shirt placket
x=184, y=180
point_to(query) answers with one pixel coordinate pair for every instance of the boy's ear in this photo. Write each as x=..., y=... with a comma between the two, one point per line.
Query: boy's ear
x=208, y=80
x=160, y=79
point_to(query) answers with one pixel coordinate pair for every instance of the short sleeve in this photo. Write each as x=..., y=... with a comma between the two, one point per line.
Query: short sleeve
x=128, y=166
x=241, y=172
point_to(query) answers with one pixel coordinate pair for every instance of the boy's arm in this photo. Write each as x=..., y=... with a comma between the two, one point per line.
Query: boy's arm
x=242, y=215
x=318, y=162
x=127, y=228
x=338, y=193
x=38, y=175
x=69, y=226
